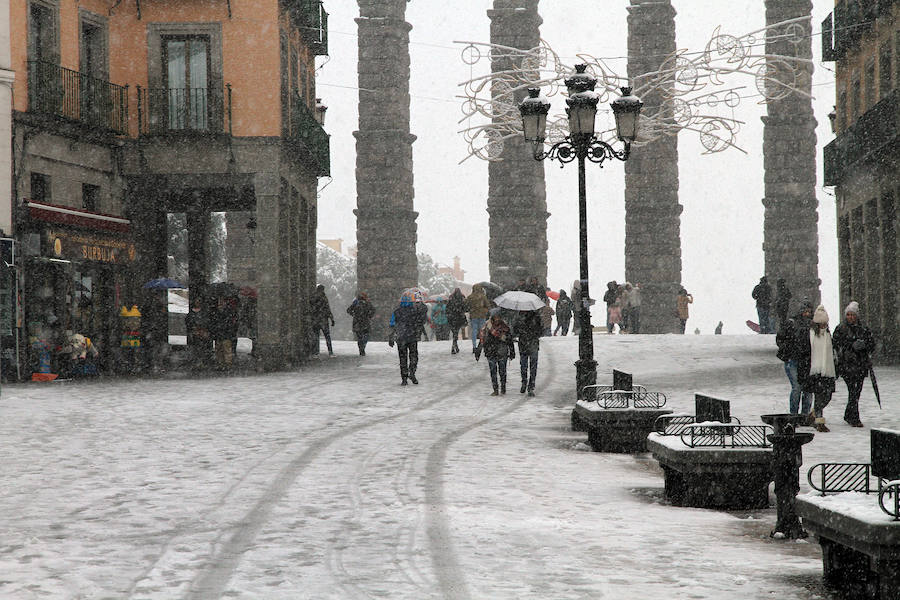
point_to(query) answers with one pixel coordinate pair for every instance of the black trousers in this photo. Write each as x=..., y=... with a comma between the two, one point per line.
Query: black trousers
x=409, y=358
x=854, y=389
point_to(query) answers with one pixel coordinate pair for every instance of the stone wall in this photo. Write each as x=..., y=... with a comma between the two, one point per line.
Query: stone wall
x=652, y=211
x=517, y=198
x=790, y=230
x=385, y=219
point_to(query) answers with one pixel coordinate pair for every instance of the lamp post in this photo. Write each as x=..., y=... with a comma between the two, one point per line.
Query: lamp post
x=581, y=144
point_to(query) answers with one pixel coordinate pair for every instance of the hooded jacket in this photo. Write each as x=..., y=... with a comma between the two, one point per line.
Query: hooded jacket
x=478, y=303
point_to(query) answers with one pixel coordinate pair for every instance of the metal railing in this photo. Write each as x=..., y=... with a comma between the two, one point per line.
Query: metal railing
x=635, y=399
x=678, y=424
x=726, y=436
x=303, y=127
x=841, y=477
x=74, y=96
x=170, y=110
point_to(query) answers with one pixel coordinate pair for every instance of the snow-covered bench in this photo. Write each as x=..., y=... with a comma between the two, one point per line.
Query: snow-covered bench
x=618, y=418
x=855, y=513
x=712, y=461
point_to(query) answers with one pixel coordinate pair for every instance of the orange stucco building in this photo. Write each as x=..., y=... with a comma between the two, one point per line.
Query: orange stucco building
x=127, y=112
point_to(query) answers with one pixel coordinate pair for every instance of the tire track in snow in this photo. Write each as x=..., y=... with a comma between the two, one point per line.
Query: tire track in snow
x=449, y=572
x=210, y=583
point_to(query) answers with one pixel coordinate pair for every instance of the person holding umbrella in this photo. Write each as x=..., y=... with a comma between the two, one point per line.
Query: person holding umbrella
x=407, y=321
x=528, y=330
x=853, y=346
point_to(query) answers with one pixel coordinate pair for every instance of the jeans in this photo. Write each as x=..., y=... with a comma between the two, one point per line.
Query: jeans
x=790, y=369
x=497, y=366
x=477, y=324
x=562, y=325
x=764, y=325
x=854, y=389
x=323, y=327
x=528, y=361
x=362, y=338
x=409, y=358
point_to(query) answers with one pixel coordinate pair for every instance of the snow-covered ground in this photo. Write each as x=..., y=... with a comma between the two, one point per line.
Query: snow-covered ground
x=333, y=482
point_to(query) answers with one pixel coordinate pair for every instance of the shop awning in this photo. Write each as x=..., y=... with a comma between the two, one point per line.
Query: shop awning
x=65, y=215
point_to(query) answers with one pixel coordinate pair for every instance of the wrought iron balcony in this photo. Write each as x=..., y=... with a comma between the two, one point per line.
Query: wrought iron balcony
x=302, y=127
x=875, y=134
x=312, y=20
x=184, y=110
x=74, y=96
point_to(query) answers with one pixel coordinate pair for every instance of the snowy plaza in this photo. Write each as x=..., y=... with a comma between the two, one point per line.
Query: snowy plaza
x=333, y=482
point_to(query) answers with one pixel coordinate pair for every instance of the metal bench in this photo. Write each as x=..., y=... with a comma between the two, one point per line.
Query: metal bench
x=709, y=461
x=618, y=418
x=859, y=530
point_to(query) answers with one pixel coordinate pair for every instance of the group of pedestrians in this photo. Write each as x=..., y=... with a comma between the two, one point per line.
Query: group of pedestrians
x=623, y=307
x=772, y=311
x=814, y=359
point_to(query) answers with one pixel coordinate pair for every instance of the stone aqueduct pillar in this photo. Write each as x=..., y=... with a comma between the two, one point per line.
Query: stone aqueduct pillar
x=652, y=211
x=385, y=219
x=517, y=198
x=790, y=230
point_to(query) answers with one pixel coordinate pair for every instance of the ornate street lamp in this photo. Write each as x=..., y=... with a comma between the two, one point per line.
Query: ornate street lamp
x=581, y=144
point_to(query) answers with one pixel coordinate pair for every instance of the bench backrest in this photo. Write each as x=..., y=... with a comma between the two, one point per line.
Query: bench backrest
x=707, y=408
x=885, y=448
x=622, y=380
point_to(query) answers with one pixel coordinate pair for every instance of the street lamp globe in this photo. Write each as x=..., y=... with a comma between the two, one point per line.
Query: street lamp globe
x=534, y=111
x=582, y=102
x=627, y=111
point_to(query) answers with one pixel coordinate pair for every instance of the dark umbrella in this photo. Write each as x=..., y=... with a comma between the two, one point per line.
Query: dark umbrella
x=162, y=283
x=491, y=289
x=875, y=385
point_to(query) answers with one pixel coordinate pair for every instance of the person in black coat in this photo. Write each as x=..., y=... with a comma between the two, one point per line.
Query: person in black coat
x=320, y=312
x=456, y=317
x=782, y=301
x=528, y=331
x=610, y=297
x=762, y=293
x=407, y=322
x=496, y=341
x=362, y=312
x=786, y=339
x=853, y=347
x=563, y=313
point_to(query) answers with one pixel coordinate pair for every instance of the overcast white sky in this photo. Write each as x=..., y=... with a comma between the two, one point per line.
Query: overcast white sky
x=722, y=222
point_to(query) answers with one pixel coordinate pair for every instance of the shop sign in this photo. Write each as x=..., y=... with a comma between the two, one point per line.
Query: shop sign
x=91, y=246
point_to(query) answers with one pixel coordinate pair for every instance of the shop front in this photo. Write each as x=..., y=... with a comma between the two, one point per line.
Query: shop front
x=75, y=276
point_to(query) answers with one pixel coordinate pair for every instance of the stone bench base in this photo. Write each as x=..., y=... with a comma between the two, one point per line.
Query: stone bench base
x=729, y=478
x=860, y=549
x=621, y=430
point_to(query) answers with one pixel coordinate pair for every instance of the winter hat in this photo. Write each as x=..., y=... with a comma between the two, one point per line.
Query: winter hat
x=853, y=307
x=806, y=305
x=820, y=316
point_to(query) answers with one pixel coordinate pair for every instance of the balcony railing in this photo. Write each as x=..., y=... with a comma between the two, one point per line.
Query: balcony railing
x=303, y=127
x=187, y=110
x=312, y=20
x=74, y=96
x=876, y=133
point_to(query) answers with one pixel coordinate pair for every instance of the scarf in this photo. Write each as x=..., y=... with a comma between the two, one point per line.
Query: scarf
x=821, y=358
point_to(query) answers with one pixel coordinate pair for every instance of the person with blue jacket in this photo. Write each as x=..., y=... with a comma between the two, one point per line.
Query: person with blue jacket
x=407, y=322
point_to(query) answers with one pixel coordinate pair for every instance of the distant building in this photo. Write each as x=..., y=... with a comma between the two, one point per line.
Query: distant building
x=336, y=245
x=126, y=112
x=863, y=161
x=455, y=271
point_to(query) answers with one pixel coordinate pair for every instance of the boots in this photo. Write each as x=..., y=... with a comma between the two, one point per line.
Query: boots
x=820, y=425
x=494, y=393
x=503, y=389
x=524, y=387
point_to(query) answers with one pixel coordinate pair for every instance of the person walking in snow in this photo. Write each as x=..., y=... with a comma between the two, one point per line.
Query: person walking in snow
x=611, y=297
x=456, y=317
x=546, y=318
x=788, y=352
x=681, y=307
x=528, y=332
x=321, y=315
x=478, y=305
x=362, y=312
x=815, y=364
x=762, y=293
x=634, y=310
x=563, y=313
x=496, y=342
x=439, y=320
x=853, y=347
x=577, y=307
x=406, y=324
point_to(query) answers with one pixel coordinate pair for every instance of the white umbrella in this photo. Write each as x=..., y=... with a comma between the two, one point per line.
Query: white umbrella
x=517, y=300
